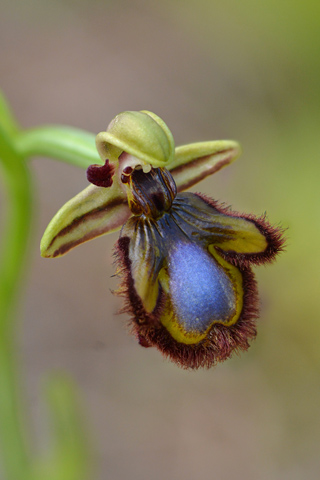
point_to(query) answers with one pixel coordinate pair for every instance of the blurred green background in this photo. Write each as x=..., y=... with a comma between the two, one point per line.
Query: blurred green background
x=211, y=69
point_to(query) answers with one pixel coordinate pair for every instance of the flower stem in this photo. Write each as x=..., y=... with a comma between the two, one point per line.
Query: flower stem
x=67, y=144
x=68, y=458
x=16, y=459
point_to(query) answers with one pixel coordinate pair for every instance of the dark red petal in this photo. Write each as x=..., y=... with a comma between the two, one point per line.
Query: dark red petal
x=101, y=175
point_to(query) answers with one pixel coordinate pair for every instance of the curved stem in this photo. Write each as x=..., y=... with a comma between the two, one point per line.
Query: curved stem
x=68, y=460
x=12, y=257
x=67, y=144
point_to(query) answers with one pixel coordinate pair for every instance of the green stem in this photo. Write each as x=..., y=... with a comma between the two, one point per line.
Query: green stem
x=68, y=460
x=16, y=459
x=16, y=462
x=67, y=144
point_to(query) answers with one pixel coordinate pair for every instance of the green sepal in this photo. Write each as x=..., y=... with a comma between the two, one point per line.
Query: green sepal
x=194, y=162
x=93, y=212
x=141, y=134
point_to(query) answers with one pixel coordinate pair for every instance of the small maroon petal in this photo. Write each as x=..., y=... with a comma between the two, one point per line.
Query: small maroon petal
x=101, y=175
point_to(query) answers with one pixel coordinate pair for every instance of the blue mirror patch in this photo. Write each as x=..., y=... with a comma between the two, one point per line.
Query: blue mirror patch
x=201, y=291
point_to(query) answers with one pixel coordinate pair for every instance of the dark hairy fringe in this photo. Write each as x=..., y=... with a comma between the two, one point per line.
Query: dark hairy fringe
x=274, y=236
x=220, y=343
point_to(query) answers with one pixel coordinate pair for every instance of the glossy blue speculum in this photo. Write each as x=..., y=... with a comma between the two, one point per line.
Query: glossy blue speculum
x=201, y=291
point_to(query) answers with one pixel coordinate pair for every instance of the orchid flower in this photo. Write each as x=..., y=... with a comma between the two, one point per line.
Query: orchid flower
x=184, y=260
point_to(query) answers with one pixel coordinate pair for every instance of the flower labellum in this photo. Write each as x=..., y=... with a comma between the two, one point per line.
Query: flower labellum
x=184, y=260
